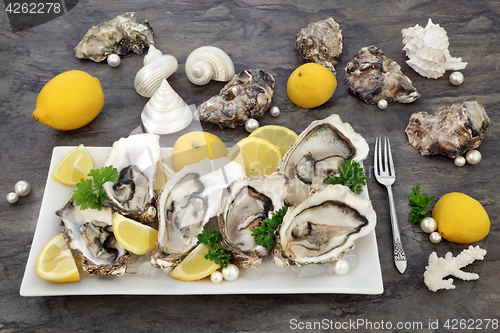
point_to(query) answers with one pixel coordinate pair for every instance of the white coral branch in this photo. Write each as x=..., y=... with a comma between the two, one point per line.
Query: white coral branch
x=439, y=268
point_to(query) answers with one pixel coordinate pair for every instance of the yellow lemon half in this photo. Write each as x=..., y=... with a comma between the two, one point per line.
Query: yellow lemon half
x=69, y=101
x=311, y=85
x=135, y=237
x=73, y=167
x=258, y=157
x=195, y=266
x=194, y=146
x=56, y=263
x=460, y=218
x=280, y=136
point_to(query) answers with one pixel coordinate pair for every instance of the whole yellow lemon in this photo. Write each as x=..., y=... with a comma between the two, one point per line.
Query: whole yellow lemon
x=460, y=218
x=194, y=146
x=311, y=85
x=69, y=101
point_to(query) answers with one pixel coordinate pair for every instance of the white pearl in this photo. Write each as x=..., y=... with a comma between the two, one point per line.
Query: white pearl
x=459, y=161
x=251, y=125
x=340, y=267
x=231, y=272
x=428, y=225
x=216, y=277
x=22, y=188
x=473, y=156
x=12, y=197
x=435, y=237
x=275, y=111
x=456, y=78
x=114, y=60
x=382, y=104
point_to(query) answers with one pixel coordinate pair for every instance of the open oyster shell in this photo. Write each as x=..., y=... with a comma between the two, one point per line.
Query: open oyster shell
x=245, y=203
x=120, y=35
x=450, y=131
x=323, y=227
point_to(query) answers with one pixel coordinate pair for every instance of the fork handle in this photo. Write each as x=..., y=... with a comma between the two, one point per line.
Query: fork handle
x=399, y=253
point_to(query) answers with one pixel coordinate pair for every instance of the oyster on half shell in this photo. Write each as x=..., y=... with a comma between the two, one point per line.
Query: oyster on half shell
x=318, y=153
x=323, y=227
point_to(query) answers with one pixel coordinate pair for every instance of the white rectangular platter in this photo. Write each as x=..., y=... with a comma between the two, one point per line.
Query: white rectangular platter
x=364, y=278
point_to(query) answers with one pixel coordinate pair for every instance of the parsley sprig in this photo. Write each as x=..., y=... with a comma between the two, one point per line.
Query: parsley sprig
x=351, y=175
x=420, y=204
x=264, y=233
x=216, y=253
x=89, y=192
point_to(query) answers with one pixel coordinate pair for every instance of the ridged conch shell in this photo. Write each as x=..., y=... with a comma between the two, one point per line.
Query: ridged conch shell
x=427, y=49
x=209, y=63
x=166, y=112
x=157, y=67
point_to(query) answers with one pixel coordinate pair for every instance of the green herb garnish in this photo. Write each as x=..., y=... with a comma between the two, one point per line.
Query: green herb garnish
x=89, y=193
x=264, y=233
x=216, y=253
x=351, y=175
x=420, y=204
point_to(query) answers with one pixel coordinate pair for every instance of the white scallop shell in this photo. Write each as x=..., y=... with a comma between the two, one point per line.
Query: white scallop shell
x=209, y=63
x=427, y=49
x=166, y=112
x=157, y=67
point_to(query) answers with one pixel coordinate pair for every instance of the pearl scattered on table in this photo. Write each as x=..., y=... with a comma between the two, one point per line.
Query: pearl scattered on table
x=456, y=78
x=251, y=125
x=275, y=111
x=460, y=161
x=382, y=104
x=22, y=188
x=216, y=277
x=114, y=60
x=473, y=156
x=12, y=197
x=340, y=267
x=231, y=272
x=428, y=225
x=435, y=237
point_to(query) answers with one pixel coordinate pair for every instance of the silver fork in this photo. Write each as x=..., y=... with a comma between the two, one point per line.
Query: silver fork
x=385, y=175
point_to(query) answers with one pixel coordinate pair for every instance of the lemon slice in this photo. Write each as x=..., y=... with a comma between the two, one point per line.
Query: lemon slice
x=280, y=136
x=258, y=157
x=135, y=237
x=195, y=266
x=73, y=167
x=56, y=263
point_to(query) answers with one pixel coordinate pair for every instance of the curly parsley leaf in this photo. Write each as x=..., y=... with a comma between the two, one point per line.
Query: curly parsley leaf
x=90, y=192
x=351, y=174
x=264, y=233
x=216, y=252
x=420, y=203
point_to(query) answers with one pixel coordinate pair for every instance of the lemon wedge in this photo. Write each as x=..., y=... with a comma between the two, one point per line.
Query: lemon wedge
x=135, y=237
x=56, y=263
x=280, y=136
x=73, y=167
x=258, y=157
x=195, y=266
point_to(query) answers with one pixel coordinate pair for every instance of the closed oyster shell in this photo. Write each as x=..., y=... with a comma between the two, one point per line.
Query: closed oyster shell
x=371, y=76
x=247, y=95
x=120, y=35
x=450, y=131
x=320, y=42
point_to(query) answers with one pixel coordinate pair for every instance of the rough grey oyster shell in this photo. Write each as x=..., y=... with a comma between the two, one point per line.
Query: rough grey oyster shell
x=247, y=95
x=321, y=42
x=371, y=76
x=120, y=35
x=450, y=131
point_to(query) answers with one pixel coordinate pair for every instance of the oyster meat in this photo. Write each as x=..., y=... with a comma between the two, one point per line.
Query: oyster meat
x=135, y=158
x=323, y=227
x=371, y=76
x=120, y=35
x=90, y=233
x=247, y=95
x=450, y=131
x=187, y=201
x=318, y=153
x=245, y=203
x=320, y=42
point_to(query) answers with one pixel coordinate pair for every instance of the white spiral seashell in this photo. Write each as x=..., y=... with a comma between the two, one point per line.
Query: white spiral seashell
x=427, y=50
x=209, y=63
x=166, y=112
x=157, y=67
